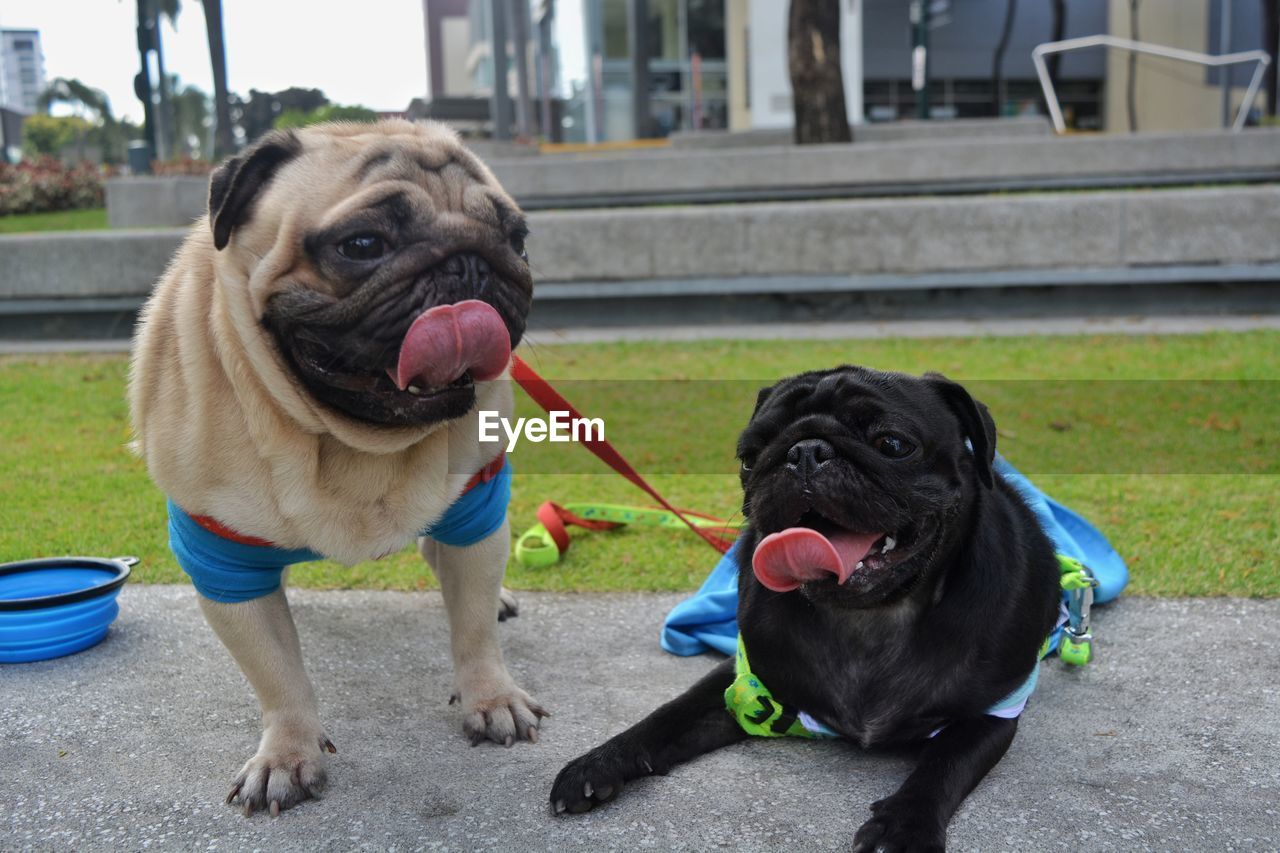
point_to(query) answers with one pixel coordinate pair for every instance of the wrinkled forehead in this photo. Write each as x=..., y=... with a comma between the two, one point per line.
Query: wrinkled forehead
x=428, y=170
x=852, y=393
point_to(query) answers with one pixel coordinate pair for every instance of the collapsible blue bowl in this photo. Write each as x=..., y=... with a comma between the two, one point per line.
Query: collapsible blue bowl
x=59, y=606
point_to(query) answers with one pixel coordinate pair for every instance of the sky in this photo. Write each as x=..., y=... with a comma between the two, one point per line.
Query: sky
x=370, y=53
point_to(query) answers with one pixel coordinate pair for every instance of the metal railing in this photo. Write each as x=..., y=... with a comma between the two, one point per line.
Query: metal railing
x=1051, y=96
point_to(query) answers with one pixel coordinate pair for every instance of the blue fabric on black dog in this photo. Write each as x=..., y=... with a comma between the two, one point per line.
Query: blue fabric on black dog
x=708, y=618
x=228, y=571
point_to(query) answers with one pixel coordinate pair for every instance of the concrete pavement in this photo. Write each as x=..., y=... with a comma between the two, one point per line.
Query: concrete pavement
x=1168, y=741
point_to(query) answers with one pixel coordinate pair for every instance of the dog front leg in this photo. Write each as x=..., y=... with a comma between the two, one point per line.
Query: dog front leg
x=289, y=766
x=694, y=723
x=493, y=706
x=951, y=765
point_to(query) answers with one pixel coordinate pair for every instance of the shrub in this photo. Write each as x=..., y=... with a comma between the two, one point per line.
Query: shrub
x=329, y=112
x=42, y=185
x=181, y=166
x=44, y=135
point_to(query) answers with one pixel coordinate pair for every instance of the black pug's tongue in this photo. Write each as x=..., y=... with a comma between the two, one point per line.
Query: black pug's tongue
x=786, y=559
x=448, y=340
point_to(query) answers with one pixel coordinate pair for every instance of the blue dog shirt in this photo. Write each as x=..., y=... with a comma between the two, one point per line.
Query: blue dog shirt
x=242, y=568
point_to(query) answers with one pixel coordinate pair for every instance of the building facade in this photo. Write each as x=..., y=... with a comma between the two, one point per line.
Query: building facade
x=22, y=76
x=449, y=43
x=722, y=64
x=1173, y=95
x=876, y=36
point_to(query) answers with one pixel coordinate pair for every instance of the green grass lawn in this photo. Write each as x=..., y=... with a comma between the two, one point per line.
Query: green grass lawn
x=1168, y=443
x=91, y=219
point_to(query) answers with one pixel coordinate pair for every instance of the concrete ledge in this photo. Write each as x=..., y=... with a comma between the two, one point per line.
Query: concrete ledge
x=84, y=263
x=825, y=171
x=147, y=202
x=892, y=131
x=1217, y=296
x=833, y=171
x=901, y=237
x=910, y=236
x=815, y=285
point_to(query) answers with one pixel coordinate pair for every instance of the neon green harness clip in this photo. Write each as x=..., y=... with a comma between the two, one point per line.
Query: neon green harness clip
x=537, y=547
x=1078, y=582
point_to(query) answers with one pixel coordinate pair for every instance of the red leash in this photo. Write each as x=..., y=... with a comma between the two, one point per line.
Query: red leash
x=549, y=398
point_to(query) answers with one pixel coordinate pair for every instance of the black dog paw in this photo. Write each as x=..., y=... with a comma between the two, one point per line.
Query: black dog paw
x=593, y=779
x=900, y=827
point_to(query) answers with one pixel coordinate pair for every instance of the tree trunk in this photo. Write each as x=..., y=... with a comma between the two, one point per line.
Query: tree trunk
x=997, y=63
x=1271, y=44
x=165, y=136
x=817, y=86
x=222, y=141
x=1131, y=87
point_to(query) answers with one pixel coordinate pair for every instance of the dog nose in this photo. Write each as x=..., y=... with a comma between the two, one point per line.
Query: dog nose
x=810, y=454
x=469, y=267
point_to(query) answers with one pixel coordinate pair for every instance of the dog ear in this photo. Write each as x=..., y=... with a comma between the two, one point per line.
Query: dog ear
x=975, y=423
x=761, y=396
x=236, y=183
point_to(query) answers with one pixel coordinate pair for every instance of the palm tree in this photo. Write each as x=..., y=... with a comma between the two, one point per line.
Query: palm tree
x=222, y=140
x=167, y=132
x=79, y=96
x=92, y=105
x=191, y=123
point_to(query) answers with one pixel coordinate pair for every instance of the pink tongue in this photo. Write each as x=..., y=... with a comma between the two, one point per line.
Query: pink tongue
x=790, y=557
x=448, y=340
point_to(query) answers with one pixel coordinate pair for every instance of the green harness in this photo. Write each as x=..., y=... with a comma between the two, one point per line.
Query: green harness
x=761, y=715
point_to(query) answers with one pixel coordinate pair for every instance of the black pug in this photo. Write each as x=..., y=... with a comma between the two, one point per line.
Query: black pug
x=893, y=589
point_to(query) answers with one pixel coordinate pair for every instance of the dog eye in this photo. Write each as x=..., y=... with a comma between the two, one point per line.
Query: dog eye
x=517, y=244
x=363, y=247
x=893, y=446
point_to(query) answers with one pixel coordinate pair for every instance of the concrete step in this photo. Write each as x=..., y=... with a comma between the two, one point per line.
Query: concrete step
x=1220, y=294
x=1172, y=251
x=787, y=173
x=959, y=166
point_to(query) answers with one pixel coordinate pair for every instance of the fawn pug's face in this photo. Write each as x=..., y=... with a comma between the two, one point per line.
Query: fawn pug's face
x=397, y=274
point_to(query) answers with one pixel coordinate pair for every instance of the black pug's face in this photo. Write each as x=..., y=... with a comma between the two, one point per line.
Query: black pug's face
x=855, y=481
x=408, y=279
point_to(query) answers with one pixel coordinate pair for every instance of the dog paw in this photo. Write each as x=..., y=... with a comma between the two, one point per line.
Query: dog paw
x=900, y=826
x=496, y=709
x=508, y=607
x=591, y=780
x=288, y=768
